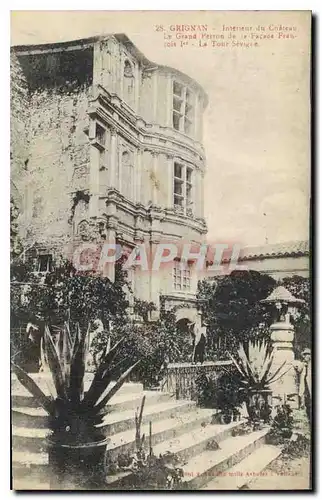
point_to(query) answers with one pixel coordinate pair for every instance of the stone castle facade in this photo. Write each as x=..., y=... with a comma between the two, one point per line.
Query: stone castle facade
x=107, y=146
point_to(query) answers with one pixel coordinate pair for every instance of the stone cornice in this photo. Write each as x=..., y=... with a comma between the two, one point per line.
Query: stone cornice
x=110, y=108
x=154, y=212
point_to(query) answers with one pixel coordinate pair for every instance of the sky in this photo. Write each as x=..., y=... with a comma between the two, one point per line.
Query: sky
x=256, y=125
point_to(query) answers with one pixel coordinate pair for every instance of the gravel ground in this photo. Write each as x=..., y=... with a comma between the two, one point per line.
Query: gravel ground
x=287, y=473
x=284, y=474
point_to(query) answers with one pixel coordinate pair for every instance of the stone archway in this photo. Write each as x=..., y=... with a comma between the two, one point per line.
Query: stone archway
x=188, y=313
x=183, y=325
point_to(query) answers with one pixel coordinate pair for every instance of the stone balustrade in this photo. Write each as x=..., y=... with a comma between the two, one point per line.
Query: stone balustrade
x=180, y=378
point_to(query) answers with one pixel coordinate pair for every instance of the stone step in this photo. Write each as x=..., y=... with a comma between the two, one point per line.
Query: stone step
x=124, y=442
x=207, y=465
x=20, y=396
x=245, y=471
x=196, y=441
x=29, y=470
x=30, y=484
x=43, y=379
x=29, y=416
x=184, y=446
x=116, y=422
x=33, y=418
x=29, y=460
x=33, y=439
x=30, y=457
x=27, y=439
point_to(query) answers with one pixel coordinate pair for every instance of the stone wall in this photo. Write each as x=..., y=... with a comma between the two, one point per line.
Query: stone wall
x=59, y=157
x=19, y=103
x=51, y=154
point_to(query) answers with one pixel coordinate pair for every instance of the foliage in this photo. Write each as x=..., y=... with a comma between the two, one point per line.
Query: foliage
x=220, y=392
x=139, y=439
x=232, y=309
x=255, y=377
x=156, y=473
x=157, y=343
x=74, y=414
x=61, y=295
x=15, y=243
x=282, y=425
x=143, y=308
x=299, y=446
x=255, y=367
x=149, y=472
x=300, y=287
x=245, y=428
x=83, y=296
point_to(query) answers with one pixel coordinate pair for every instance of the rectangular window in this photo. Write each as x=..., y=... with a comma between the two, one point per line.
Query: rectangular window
x=182, y=186
x=181, y=277
x=45, y=263
x=182, y=108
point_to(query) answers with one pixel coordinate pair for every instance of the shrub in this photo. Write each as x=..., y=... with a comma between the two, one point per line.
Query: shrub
x=220, y=392
x=282, y=426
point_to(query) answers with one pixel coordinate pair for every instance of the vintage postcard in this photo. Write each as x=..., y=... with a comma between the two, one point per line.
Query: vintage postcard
x=160, y=279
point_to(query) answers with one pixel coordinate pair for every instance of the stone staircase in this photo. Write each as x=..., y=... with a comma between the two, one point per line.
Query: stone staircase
x=208, y=453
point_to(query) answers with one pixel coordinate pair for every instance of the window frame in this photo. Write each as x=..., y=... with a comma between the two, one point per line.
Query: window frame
x=49, y=266
x=186, y=183
x=184, y=105
x=181, y=277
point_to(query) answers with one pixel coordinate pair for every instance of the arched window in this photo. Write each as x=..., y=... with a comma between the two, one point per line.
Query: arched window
x=128, y=83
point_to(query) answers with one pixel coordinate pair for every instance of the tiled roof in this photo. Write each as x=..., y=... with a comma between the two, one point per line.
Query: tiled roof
x=286, y=249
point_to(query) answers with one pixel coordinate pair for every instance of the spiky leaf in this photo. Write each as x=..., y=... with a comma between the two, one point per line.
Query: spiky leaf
x=45, y=402
x=54, y=364
x=77, y=369
x=106, y=396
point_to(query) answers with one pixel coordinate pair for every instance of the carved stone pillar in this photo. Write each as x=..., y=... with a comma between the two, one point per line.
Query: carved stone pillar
x=94, y=181
x=170, y=180
x=201, y=193
x=154, y=177
x=109, y=267
x=138, y=175
x=113, y=163
x=282, y=337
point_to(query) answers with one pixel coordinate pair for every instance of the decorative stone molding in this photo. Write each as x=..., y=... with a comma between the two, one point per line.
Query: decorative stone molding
x=112, y=222
x=113, y=131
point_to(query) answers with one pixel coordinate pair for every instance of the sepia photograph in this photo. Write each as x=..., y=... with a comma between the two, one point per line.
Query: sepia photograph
x=160, y=250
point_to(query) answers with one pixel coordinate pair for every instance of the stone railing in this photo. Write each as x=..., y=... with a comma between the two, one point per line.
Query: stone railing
x=180, y=378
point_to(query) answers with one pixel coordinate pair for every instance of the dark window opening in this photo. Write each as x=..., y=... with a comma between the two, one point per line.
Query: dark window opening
x=45, y=263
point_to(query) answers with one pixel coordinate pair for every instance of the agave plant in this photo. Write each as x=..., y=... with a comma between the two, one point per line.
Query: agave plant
x=255, y=368
x=75, y=415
